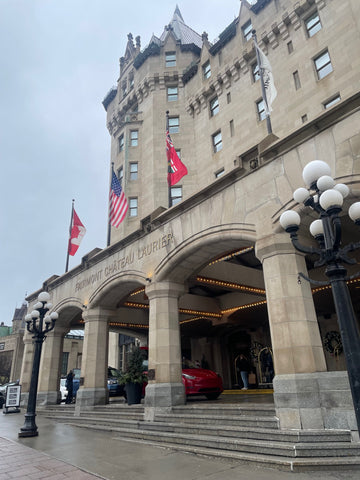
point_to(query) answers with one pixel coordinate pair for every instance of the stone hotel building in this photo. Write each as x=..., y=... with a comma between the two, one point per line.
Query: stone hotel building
x=213, y=274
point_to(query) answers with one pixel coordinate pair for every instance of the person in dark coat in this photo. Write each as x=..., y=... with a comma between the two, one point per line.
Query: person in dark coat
x=69, y=387
x=244, y=368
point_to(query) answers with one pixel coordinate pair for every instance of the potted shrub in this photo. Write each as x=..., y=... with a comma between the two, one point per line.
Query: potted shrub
x=134, y=377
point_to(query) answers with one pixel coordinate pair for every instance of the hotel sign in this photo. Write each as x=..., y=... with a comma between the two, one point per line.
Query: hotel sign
x=122, y=263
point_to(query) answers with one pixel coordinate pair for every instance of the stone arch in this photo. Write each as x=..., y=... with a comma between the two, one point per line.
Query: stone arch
x=117, y=286
x=68, y=309
x=196, y=251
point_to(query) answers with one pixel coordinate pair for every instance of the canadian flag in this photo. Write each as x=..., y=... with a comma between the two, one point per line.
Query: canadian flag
x=176, y=169
x=76, y=234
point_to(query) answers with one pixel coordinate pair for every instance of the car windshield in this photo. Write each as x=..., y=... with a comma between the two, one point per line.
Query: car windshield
x=62, y=382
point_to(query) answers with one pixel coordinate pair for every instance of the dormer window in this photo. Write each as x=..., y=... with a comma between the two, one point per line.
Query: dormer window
x=207, y=69
x=170, y=59
x=247, y=30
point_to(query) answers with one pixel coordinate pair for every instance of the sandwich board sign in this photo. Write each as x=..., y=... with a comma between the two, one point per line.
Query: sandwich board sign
x=12, y=399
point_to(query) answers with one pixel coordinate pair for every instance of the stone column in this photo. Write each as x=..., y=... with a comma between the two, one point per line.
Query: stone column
x=26, y=368
x=93, y=382
x=50, y=367
x=165, y=387
x=305, y=395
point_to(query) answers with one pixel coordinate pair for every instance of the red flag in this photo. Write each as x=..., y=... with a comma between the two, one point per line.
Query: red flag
x=76, y=234
x=176, y=169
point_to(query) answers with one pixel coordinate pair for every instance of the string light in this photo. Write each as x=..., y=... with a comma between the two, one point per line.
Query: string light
x=128, y=325
x=234, y=286
x=137, y=291
x=199, y=312
x=243, y=307
x=232, y=255
x=136, y=305
x=189, y=320
x=328, y=287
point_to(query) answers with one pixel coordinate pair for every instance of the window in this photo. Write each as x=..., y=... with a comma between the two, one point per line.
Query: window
x=170, y=59
x=207, y=69
x=134, y=138
x=296, y=80
x=133, y=171
x=260, y=105
x=255, y=72
x=313, y=24
x=290, y=47
x=120, y=175
x=172, y=94
x=133, y=207
x=214, y=106
x=124, y=88
x=217, y=142
x=228, y=97
x=219, y=173
x=247, y=30
x=323, y=65
x=178, y=152
x=174, y=125
x=304, y=118
x=232, y=131
x=121, y=143
x=131, y=81
x=176, y=195
x=332, y=101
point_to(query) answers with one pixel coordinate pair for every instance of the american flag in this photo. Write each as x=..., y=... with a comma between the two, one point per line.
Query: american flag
x=118, y=204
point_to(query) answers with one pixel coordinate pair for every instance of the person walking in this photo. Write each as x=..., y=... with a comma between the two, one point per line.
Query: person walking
x=244, y=368
x=69, y=386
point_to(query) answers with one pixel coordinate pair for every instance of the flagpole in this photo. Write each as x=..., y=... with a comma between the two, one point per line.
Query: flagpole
x=169, y=162
x=109, y=225
x=68, y=248
x=263, y=91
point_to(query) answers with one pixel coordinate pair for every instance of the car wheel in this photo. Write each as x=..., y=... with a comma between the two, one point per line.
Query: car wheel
x=212, y=396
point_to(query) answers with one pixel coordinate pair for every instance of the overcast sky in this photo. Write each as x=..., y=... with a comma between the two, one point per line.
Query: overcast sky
x=59, y=58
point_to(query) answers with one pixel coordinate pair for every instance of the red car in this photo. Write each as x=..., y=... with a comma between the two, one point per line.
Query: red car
x=198, y=381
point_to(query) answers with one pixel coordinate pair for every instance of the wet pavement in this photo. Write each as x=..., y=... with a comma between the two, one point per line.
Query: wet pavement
x=62, y=452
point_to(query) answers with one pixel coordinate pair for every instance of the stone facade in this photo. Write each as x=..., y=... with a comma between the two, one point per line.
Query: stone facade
x=215, y=275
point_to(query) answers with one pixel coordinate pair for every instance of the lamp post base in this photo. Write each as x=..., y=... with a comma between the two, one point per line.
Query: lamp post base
x=29, y=429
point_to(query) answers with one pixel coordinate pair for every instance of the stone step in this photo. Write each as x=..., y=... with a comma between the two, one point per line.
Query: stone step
x=223, y=420
x=280, y=463
x=223, y=409
x=215, y=444
x=254, y=433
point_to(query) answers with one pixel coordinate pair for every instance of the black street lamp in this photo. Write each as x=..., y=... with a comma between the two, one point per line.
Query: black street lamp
x=35, y=324
x=326, y=199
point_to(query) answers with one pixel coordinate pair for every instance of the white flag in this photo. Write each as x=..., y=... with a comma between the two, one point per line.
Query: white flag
x=268, y=80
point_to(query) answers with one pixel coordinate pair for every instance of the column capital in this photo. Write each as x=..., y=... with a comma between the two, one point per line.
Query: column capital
x=276, y=244
x=98, y=314
x=165, y=289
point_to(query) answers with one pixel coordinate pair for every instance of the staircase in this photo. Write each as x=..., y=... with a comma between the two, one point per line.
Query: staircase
x=245, y=433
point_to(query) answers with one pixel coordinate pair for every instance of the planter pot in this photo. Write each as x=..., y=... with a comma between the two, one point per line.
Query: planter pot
x=133, y=393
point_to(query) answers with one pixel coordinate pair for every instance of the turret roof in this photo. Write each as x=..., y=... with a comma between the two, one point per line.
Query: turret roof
x=182, y=32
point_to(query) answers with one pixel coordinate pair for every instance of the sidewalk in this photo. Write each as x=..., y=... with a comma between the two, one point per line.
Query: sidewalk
x=63, y=452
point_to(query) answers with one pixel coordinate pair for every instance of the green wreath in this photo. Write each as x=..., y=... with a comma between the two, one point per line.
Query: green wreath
x=333, y=343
